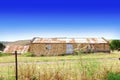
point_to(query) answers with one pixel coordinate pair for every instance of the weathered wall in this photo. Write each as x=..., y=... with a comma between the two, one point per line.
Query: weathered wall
x=41, y=49
x=101, y=47
x=60, y=48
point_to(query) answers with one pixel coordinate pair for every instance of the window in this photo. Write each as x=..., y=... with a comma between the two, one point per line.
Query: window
x=48, y=47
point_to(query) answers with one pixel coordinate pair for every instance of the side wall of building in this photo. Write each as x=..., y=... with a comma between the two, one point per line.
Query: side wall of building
x=103, y=47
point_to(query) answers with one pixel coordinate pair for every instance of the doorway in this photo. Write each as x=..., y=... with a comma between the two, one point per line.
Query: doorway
x=69, y=49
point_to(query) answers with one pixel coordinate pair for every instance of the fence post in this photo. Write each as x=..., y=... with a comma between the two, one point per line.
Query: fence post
x=16, y=66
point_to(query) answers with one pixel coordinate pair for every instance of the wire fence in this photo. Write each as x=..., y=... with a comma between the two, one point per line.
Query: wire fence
x=61, y=69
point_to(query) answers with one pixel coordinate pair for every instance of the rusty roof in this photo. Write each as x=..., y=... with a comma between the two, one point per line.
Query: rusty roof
x=69, y=40
x=18, y=48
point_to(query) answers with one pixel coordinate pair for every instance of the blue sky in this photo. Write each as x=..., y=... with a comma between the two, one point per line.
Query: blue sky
x=20, y=19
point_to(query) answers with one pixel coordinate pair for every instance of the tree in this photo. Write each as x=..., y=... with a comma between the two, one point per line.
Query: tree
x=2, y=47
x=115, y=44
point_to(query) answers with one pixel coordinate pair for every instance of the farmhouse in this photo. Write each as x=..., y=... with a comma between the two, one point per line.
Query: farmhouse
x=12, y=48
x=58, y=46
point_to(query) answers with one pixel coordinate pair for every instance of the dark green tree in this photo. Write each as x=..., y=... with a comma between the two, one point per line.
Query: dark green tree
x=115, y=44
x=2, y=46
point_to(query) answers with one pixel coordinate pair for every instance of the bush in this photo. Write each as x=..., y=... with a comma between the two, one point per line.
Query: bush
x=4, y=54
x=62, y=54
x=2, y=47
x=113, y=76
x=78, y=52
x=28, y=54
x=115, y=44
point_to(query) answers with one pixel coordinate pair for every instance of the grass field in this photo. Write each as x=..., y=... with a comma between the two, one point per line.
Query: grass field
x=81, y=70
x=87, y=67
x=60, y=58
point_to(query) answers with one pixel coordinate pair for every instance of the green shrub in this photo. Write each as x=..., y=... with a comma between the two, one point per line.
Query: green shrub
x=28, y=54
x=4, y=54
x=113, y=76
x=62, y=54
x=115, y=44
x=2, y=46
x=78, y=52
x=42, y=55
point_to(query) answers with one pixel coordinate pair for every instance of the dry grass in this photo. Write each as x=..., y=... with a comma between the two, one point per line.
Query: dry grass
x=68, y=71
x=87, y=67
x=81, y=70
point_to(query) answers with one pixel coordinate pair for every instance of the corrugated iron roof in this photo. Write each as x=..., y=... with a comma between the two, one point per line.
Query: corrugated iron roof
x=69, y=40
x=18, y=48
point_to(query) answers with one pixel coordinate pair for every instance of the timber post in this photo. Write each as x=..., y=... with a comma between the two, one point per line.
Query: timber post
x=16, y=66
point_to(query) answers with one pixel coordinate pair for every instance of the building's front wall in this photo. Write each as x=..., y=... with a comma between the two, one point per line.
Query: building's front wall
x=43, y=49
x=61, y=48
